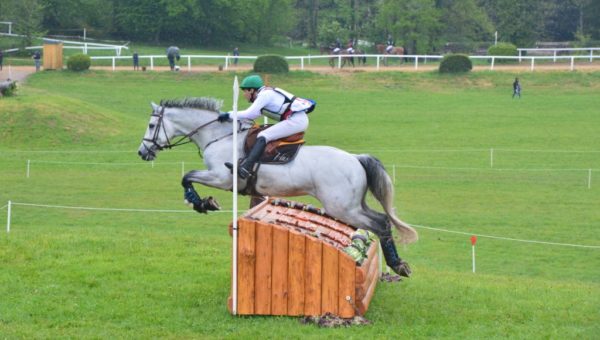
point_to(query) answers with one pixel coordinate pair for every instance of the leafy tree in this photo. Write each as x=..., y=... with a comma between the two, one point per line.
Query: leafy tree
x=464, y=21
x=26, y=16
x=413, y=23
x=140, y=19
x=516, y=21
x=72, y=16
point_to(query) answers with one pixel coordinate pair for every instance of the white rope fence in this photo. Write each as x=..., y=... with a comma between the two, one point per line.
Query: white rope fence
x=588, y=172
x=187, y=211
x=507, y=238
x=29, y=162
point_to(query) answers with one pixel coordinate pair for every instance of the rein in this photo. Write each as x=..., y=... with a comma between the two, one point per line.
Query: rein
x=182, y=140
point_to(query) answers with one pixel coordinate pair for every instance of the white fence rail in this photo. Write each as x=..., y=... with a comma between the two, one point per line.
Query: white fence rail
x=338, y=60
x=555, y=51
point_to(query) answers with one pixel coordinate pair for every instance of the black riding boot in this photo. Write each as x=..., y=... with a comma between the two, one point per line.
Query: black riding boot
x=391, y=257
x=246, y=168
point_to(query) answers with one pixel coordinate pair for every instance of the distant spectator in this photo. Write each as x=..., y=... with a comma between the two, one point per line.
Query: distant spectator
x=1, y=59
x=37, y=58
x=172, y=54
x=236, y=54
x=516, y=88
x=136, y=61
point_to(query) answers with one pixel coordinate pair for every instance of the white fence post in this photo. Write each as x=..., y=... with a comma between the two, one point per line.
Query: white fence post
x=114, y=61
x=492, y=65
x=377, y=63
x=28, y=166
x=189, y=63
x=302, y=63
x=591, y=54
x=520, y=55
x=8, y=217
x=226, y=62
x=554, y=59
x=532, y=63
x=572, y=63
x=416, y=62
x=151, y=63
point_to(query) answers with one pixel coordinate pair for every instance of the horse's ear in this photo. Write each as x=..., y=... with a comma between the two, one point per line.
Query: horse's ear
x=154, y=106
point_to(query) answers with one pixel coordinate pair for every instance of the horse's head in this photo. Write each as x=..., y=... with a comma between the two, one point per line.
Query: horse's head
x=183, y=118
x=156, y=137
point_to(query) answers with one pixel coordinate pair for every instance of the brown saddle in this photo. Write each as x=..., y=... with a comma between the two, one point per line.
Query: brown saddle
x=279, y=151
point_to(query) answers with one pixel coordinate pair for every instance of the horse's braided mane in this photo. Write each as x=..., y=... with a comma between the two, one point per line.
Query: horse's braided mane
x=205, y=103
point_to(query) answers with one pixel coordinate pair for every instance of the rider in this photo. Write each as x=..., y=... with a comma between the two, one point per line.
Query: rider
x=337, y=46
x=277, y=104
x=350, y=48
x=390, y=44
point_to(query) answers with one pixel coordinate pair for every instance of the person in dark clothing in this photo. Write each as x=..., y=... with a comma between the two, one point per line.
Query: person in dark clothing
x=516, y=88
x=172, y=54
x=37, y=58
x=136, y=61
x=236, y=54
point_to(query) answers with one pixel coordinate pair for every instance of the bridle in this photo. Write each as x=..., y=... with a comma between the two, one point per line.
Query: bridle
x=182, y=140
x=161, y=126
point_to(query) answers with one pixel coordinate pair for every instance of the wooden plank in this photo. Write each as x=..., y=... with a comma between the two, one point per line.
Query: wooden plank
x=279, y=286
x=314, y=265
x=372, y=274
x=246, y=260
x=362, y=288
x=363, y=305
x=347, y=289
x=329, y=290
x=264, y=261
x=296, y=266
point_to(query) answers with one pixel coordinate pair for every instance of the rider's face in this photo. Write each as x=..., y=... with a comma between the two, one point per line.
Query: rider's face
x=248, y=94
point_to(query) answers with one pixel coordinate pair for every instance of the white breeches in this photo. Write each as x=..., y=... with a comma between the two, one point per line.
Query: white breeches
x=297, y=122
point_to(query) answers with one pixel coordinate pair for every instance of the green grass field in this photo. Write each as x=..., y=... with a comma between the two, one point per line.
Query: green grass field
x=466, y=158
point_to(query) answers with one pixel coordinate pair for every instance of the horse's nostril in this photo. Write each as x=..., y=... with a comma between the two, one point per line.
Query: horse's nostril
x=139, y=152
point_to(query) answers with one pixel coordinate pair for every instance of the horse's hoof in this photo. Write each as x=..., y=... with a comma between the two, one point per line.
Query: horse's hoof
x=211, y=204
x=200, y=208
x=402, y=269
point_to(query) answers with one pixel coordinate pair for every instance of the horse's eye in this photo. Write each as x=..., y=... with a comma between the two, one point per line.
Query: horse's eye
x=151, y=126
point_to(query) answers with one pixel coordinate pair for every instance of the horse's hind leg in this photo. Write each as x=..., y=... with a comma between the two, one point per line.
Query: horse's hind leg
x=361, y=216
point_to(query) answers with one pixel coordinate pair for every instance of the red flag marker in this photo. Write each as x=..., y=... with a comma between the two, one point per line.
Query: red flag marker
x=473, y=240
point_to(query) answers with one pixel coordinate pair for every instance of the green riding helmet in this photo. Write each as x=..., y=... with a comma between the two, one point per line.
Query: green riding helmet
x=252, y=82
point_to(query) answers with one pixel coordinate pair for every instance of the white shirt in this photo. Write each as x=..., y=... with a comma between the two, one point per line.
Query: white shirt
x=265, y=99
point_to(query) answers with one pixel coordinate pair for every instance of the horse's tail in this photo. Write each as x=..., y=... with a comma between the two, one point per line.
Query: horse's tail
x=380, y=184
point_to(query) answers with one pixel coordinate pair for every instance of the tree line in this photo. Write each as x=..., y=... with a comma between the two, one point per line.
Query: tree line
x=421, y=26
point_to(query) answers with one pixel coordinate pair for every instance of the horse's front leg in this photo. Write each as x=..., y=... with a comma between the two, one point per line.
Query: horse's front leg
x=208, y=178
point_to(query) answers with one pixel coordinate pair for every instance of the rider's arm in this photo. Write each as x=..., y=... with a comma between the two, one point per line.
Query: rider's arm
x=253, y=112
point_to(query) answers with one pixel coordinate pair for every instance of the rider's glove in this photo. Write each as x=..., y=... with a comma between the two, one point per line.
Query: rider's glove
x=223, y=117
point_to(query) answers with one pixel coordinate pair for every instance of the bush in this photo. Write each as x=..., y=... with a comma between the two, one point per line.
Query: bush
x=271, y=64
x=79, y=62
x=504, y=49
x=455, y=63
